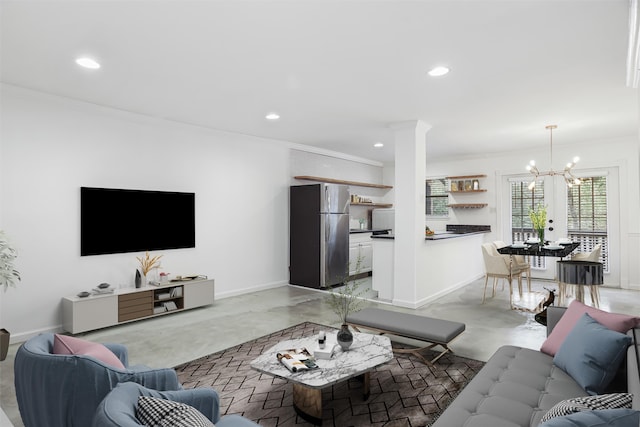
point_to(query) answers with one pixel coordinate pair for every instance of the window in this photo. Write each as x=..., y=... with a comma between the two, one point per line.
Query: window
x=587, y=216
x=437, y=198
x=522, y=201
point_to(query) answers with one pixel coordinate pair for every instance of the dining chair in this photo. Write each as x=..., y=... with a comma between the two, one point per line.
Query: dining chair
x=520, y=261
x=499, y=266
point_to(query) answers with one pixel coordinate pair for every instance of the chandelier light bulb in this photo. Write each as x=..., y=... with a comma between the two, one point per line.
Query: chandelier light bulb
x=532, y=185
x=577, y=181
x=576, y=160
x=532, y=163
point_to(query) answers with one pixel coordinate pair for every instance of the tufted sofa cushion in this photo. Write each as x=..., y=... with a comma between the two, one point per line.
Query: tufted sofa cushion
x=515, y=388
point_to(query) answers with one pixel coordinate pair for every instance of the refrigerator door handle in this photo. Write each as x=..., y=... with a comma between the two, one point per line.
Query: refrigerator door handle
x=324, y=235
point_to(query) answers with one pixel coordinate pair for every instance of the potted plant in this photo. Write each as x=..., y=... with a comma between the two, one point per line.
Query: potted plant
x=539, y=221
x=9, y=276
x=344, y=301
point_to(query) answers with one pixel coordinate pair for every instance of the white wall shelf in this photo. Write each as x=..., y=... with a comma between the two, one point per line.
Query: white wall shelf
x=340, y=181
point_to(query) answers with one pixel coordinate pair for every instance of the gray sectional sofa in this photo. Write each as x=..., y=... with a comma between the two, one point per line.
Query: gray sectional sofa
x=518, y=386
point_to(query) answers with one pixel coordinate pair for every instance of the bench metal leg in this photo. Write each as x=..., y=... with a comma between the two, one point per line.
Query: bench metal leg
x=416, y=351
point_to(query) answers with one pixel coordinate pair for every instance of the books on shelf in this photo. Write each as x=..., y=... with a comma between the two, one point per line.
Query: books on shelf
x=163, y=295
x=176, y=292
x=159, y=309
x=170, y=305
x=297, y=359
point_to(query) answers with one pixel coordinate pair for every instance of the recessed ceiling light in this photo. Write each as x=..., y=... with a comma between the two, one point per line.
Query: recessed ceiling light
x=378, y=145
x=87, y=63
x=438, y=71
x=272, y=116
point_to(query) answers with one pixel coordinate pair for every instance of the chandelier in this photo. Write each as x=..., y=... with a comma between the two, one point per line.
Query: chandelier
x=569, y=178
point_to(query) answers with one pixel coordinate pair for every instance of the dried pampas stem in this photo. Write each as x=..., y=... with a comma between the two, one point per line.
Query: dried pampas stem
x=148, y=263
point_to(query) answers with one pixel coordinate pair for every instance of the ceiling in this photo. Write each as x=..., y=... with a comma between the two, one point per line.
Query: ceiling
x=339, y=73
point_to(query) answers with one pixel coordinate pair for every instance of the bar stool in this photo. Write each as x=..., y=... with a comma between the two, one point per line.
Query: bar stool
x=579, y=274
x=593, y=256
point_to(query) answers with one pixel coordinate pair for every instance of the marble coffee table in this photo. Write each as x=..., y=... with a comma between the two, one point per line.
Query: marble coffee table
x=366, y=352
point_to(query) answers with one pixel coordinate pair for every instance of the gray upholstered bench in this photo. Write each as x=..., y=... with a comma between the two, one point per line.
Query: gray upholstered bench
x=433, y=331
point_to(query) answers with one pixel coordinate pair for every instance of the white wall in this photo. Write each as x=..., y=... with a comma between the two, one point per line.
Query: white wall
x=52, y=146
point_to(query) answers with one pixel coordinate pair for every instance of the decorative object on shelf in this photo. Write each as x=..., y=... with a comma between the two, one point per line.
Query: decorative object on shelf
x=539, y=221
x=148, y=263
x=428, y=231
x=476, y=185
x=468, y=185
x=164, y=277
x=345, y=301
x=569, y=178
x=454, y=186
x=83, y=294
x=138, y=280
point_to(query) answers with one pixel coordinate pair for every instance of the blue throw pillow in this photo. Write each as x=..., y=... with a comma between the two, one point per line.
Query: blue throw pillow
x=591, y=354
x=600, y=418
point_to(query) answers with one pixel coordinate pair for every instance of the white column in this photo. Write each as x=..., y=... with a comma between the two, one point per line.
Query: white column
x=410, y=173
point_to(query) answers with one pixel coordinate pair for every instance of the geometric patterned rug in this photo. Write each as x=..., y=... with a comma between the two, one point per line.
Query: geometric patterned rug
x=403, y=391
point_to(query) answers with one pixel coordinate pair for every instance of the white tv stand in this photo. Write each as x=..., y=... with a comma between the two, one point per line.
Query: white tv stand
x=127, y=305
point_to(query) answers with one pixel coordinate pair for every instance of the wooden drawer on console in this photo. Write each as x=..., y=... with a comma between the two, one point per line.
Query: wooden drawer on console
x=135, y=305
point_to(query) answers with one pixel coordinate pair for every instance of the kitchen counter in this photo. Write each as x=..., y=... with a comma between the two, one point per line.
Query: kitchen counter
x=375, y=232
x=448, y=260
x=439, y=235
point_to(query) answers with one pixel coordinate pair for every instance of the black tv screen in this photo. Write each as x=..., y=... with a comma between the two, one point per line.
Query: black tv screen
x=118, y=221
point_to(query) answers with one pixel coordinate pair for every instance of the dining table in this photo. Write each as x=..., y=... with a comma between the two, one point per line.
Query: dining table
x=534, y=301
x=560, y=250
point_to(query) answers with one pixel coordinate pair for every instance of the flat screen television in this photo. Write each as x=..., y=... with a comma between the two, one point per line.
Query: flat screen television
x=119, y=221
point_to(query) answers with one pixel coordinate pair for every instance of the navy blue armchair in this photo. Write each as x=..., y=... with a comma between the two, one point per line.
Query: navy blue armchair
x=118, y=409
x=56, y=390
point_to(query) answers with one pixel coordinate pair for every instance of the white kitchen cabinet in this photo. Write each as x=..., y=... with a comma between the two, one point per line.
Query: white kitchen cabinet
x=360, y=245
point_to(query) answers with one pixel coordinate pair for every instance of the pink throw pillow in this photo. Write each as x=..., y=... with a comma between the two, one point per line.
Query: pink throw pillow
x=63, y=344
x=614, y=321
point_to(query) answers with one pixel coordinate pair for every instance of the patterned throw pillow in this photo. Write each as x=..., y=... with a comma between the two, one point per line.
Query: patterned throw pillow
x=589, y=403
x=154, y=412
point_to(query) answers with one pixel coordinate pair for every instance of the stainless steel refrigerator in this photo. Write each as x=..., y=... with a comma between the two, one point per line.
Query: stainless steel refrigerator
x=318, y=235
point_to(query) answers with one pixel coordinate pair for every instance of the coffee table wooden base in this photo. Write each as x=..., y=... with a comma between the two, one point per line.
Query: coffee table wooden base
x=307, y=401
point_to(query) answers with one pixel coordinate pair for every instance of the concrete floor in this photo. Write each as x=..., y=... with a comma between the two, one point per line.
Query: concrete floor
x=171, y=340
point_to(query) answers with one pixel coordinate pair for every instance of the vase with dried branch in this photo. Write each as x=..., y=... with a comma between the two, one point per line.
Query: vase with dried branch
x=148, y=263
x=347, y=299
